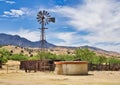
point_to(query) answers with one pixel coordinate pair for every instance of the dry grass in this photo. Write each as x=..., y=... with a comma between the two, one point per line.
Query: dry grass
x=49, y=78
x=17, y=50
x=19, y=77
x=56, y=50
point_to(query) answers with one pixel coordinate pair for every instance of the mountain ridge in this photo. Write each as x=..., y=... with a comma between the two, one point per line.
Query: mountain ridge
x=7, y=39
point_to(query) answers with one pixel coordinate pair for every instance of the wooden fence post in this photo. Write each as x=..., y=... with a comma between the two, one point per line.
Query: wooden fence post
x=7, y=68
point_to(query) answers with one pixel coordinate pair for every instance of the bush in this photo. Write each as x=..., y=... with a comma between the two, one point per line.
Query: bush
x=3, y=59
x=44, y=55
x=66, y=57
x=85, y=55
x=113, y=60
x=19, y=57
x=4, y=55
x=90, y=56
x=34, y=58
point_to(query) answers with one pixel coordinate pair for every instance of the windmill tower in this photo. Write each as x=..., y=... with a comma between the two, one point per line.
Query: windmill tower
x=44, y=18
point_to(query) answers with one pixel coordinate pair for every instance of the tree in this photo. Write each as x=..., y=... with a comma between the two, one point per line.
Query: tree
x=113, y=60
x=102, y=59
x=4, y=55
x=46, y=55
x=85, y=54
x=19, y=57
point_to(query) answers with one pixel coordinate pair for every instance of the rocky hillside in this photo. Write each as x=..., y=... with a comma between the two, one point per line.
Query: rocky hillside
x=16, y=40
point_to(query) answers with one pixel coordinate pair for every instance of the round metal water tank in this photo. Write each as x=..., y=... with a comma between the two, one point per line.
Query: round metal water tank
x=71, y=67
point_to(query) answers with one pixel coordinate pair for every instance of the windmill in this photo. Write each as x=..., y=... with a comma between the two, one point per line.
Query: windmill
x=44, y=18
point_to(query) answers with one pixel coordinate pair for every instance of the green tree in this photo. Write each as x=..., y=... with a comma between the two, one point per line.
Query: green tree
x=113, y=60
x=90, y=56
x=85, y=54
x=19, y=57
x=99, y=59
x=102, y=59
x=44, y=55
x=4, y=55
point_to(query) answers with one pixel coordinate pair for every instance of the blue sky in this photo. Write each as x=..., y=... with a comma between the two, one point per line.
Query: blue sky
x=78, y=22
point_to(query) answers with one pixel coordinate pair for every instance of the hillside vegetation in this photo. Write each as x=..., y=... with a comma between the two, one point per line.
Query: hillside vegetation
x=84, y=54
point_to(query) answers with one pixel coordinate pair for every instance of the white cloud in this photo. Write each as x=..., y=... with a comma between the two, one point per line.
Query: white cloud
x=18, y=12
x=91, y=14
x=22, y=12
x=8, y=1
x=26, y=33
x=100, y=17
x=67, y=37
x=14, y=13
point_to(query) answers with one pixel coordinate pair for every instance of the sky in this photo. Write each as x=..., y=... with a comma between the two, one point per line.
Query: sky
x=78, y=22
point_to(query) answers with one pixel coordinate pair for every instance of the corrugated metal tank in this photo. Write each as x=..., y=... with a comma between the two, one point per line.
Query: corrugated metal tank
x=71, y=67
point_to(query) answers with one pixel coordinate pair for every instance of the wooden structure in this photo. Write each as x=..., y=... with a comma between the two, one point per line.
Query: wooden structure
x=37, y=65
x=0, y=64
x=104, y=67
x=48, y=65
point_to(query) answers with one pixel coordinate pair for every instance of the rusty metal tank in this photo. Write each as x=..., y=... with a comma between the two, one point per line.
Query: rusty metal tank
x=71, y=67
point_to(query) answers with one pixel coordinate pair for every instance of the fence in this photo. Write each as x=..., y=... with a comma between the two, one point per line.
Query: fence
x=48, y=65
x=6, y=68
x=0, y=64
x=104, y=67
x=37, y=65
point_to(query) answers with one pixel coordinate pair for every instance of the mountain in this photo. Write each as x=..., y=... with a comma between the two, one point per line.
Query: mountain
x=101, y=51
x=6, y=39
x=94, y=49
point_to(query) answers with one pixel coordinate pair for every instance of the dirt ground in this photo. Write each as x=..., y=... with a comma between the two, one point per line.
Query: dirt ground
x=49, y=78
x=14, y=76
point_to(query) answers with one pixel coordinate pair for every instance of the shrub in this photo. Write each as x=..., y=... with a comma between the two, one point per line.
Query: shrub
x=113, y=60
x=34, y=58
x=85, y=55
x=48, y=55
x=4, y=55
x=19, y=57
x=65, y=57
x=45, y=55
x=90, y=56
x=3, y=59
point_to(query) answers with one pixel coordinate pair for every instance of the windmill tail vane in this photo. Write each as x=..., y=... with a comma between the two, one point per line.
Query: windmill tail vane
x=52, y=19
